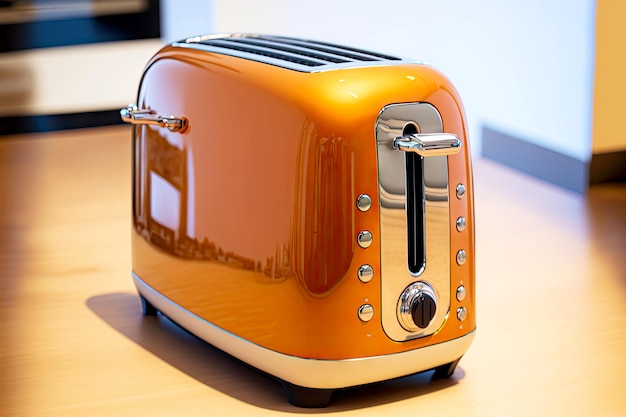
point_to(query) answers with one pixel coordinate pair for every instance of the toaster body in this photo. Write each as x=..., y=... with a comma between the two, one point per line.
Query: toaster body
x=306, y=208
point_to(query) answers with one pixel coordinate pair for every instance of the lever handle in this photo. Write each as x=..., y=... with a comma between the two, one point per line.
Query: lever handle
x=429, y=144
x=133, y=115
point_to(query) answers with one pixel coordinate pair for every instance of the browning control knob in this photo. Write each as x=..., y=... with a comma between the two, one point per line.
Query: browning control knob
x=423, y=310
x=417, y=306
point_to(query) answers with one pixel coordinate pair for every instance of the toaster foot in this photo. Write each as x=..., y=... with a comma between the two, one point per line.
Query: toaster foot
x=307, y=397
x=446, y=371
x=147, y=309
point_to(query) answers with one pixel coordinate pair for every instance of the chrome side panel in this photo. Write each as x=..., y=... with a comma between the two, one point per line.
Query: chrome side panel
x=395, y=273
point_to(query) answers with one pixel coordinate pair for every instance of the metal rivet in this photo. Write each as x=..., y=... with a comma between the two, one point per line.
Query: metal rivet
x=461, y=313
x=461, y=257
x=460, y=293
x=364, y=202
x=364, y=239
x=366, y=312
x=365, y=273
x=460, y=191
x=460, y=224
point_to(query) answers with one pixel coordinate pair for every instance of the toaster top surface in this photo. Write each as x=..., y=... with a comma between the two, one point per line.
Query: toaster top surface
x=292, y=53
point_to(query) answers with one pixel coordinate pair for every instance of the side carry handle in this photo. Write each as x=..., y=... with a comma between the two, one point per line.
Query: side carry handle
x=136, y=116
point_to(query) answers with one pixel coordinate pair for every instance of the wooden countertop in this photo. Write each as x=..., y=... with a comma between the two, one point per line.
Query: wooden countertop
x=551, y=303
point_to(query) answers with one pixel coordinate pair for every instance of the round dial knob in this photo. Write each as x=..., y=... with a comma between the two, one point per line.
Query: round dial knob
x=417, y=306
x=423, y=310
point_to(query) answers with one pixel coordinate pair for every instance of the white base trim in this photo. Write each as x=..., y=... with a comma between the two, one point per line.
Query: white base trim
x=311, y=373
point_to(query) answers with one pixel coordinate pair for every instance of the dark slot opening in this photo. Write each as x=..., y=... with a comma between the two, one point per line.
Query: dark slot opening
x=294, y=50
x=414, y=207
x=333, y=49
x=236, y=45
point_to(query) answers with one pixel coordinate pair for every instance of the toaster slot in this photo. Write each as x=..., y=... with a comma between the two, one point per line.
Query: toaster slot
x=295, y=54
x=414, y=164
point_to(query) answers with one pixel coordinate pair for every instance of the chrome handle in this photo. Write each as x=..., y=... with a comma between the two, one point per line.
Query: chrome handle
x=429, y=144
x=133, y=115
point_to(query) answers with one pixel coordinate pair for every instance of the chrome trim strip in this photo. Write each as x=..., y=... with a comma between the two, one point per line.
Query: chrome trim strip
x=312, y=373
x=395, y=274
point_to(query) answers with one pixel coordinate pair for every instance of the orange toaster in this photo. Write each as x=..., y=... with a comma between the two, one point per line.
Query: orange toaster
x=305, y=207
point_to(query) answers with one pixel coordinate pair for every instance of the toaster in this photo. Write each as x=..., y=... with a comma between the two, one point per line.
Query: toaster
x=305, y=207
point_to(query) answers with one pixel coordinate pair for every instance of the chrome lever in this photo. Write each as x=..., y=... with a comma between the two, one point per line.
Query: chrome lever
x=429, y=144
x=133, y=115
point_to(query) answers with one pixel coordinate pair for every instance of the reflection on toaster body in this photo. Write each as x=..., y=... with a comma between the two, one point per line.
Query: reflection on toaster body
x=165, y=214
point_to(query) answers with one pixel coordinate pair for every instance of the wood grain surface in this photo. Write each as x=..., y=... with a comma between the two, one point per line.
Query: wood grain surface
x=551, y=277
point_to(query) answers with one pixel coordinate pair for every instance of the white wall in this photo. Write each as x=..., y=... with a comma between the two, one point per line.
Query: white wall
x=182, y=19
x=524, y=67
